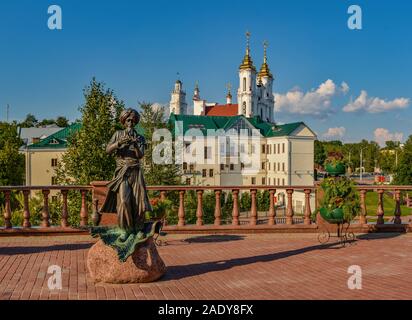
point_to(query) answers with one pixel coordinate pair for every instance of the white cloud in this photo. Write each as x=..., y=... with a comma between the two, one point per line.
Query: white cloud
x=382, y=135
x=374, y=104
x=334, y=133
x=316, y=102
x=344, y=87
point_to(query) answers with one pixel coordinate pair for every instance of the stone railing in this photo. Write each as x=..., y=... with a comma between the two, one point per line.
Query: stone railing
x=45, y=214
x=254, y=220
x=307, y=192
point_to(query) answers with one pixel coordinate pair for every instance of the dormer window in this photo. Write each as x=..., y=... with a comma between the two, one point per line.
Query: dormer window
x=54, y=141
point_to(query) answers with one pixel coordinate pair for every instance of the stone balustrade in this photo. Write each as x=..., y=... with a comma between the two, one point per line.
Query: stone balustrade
x=275, y=218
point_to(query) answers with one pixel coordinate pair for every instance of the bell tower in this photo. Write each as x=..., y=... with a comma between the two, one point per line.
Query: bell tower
x=246, y=95
x=178, y=103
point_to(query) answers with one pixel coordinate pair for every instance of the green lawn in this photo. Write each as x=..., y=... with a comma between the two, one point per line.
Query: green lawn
x=388, y=205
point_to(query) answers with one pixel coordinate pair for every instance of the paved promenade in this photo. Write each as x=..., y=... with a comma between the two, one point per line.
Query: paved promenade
x=261, y=266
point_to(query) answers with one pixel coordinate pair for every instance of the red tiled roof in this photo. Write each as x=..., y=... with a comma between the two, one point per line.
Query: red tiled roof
x=223, y=110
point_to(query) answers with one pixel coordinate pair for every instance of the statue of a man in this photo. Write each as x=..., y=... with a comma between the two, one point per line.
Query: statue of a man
x=127, y=195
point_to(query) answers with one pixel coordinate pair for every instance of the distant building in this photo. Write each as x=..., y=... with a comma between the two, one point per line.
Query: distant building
x=286, y=151
x=42, y=157
x=34, y=135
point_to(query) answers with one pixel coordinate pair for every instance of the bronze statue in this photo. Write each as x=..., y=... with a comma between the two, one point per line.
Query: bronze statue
x=127, y=195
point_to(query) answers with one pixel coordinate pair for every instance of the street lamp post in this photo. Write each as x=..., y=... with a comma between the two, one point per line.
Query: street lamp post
x=361, y=164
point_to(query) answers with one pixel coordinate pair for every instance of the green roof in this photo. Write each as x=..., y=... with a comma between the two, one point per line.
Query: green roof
x=204, y=123
x=58, y=140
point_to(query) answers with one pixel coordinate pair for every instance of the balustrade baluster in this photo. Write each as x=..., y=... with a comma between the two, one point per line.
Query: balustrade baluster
x=218, y=209
x=253, y=209
x=96, y=214
x=308, y=212
x=84, y=212
x=235, y=213
x=380, y=212
x=364, y=213
x=199, y=211
x=163, y=198
x=45, y=213
x=7, y=210
x=65, y=212
x=181, y=213
x=26, y=212
x=289, y=211
x=398, y=211
x=272, y=209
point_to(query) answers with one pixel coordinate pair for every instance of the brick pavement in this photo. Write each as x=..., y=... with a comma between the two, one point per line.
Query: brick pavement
x=254, y=266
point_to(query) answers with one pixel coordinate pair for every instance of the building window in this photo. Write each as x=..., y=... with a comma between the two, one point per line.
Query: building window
x=244, y=84
x=263, y=166
x=211, y=173
x=263, y=181
x=279, y=148
x=192, y=167
x=188, y=181
x=283, y=148
x=274, y=148
x=283, y=182
x=244, y=108
x=208, y=152
x=204, y=173
x=268, y=166
x=232, y=167
x=222, y=167
x=187, y=147
x=263, y=148
x=278, y=182
x=54, y=162
x=253, y=181
x=54, y=181
x=242, y=166
x=184, y=165
x=278, y=166
x=283, y=166
x=274, y=166
x=223, y=149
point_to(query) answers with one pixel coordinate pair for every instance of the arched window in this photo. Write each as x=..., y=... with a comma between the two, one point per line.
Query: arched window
x=244, y=84
x=244, y=107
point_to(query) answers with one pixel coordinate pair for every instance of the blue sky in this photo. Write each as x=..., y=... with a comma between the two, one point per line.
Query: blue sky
x=137, y=47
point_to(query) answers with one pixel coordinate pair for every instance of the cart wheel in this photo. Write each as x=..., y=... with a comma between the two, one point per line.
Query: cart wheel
x=350, y=237
x=324, y=237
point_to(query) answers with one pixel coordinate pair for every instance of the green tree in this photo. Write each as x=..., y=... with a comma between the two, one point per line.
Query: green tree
x=29, y=122
x=46, y=122
x=320, y=155
x=11, y=161
x=86, y=159
x=152, y=119
x=403, y=175
x=62, y=122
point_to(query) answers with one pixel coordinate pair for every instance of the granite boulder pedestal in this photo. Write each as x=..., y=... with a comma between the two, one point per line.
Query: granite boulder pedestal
x=143, y=265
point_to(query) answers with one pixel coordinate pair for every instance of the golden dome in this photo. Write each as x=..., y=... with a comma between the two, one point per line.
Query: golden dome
x=247, y=62
x=264, y=70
